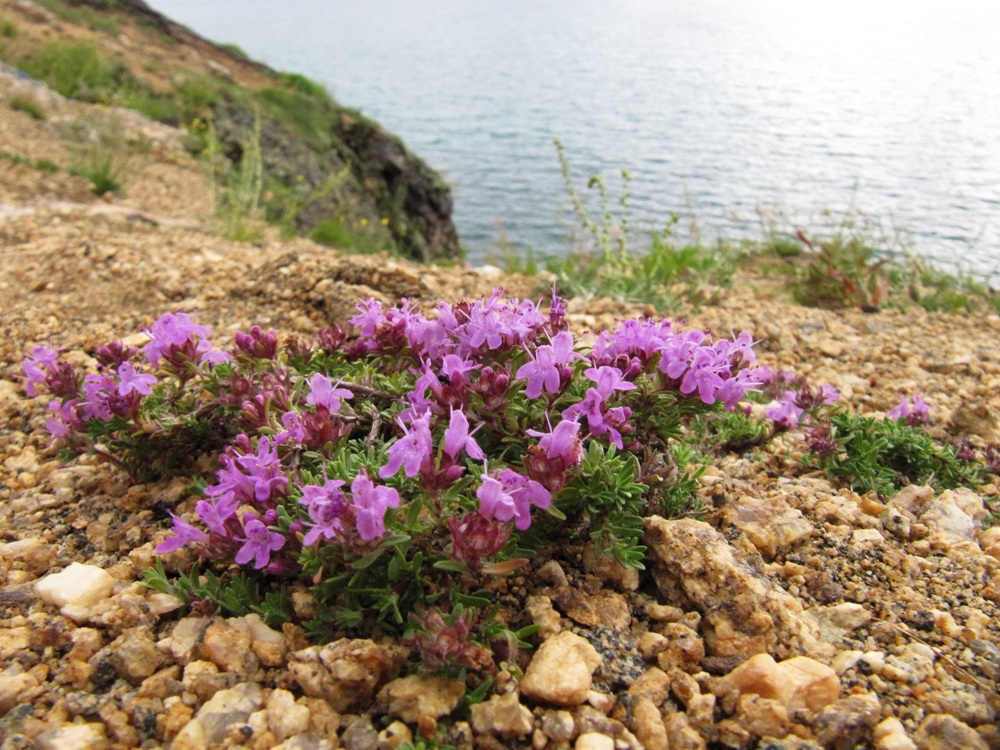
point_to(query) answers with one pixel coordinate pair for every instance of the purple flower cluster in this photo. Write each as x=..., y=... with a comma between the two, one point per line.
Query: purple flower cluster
x=180, y=344
x=915, y=412
x=793, y=404
x=504, y=361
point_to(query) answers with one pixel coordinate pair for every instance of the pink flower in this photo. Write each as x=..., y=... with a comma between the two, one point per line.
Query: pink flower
x=412, y=451
x=129, y=380
x=549, y=367
x=323, y=393
x=457, y=438
x=510, y=496
x=371, y=502
x=258, y=543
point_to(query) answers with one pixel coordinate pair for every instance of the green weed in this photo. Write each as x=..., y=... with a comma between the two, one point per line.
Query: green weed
x=664, y=275
x=304, y=85
x=354, y=236
x=7, y=29
x=42, y=165
x=885, y=455
x=237, y=187
x=102, y=160
x=77, y=70
x=236, y=50
x=81, y=16
x=28, y=104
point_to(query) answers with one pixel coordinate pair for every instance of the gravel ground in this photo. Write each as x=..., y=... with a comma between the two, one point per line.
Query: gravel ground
x=794, y=614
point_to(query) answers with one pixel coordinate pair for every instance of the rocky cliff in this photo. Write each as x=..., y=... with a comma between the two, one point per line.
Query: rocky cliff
x=316, y=163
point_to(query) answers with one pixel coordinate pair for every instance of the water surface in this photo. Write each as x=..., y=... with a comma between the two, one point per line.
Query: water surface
x=721, y=109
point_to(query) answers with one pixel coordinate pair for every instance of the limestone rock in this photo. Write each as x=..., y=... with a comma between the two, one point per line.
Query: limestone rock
x=848, y=723
x=74, y=737
x=561, y=670
x=943, y=732
x=609, y=570
x=647, y=724
x=952, y=517
x=544, y=615
x=796, y=683
x=227, y=645
x=770, y=523
x=594, y=741
x=601, y=608
x=684, y=649
x=210, y=724
x=185, y=638
x=346, y=673
x=134, y=654
x=742, y=611
x=837, y=621
x=268, y=644
x=762, y=717
x=285, y=717
x=409, y=698
x=502, y=715
x=33, y=553
x=891, y=735
x=76, y=589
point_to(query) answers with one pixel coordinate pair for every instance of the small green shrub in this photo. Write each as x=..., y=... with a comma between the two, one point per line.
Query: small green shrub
x=358, y=236
x=95, y=20
x=103, y=160
x=7, y=29
x=77, y=70
x=886, y=454
x=938, y=291
x=42, y=165
x=28, y=104
x=304, y=85
x=235, y=49
x=306, y=115
x=103, y=171
x=841, y=271
x=665, y=275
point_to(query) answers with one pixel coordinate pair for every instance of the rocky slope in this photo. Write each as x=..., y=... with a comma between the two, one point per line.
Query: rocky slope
x=318, y=161
x=793, y=614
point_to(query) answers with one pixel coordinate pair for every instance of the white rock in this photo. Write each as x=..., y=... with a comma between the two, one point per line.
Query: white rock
x=76, y=589
x=594, y=741
x=562, y=670
x=799, y=682
x=836, y=621
x=285, y=717
x=890, y=735
x=73, y=737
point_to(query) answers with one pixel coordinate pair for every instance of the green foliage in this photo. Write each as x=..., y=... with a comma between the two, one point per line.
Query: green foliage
x=885, y=455
x=96, y=20
x=43, y=165
x=607, y=493
x=726, y=431
x=360, y=236
x=103, y=171
x=237, y=188
x=102, y=159
x=235, y=49
x=309, y=116
x=28, y=104
x=304, y=85
x=7, y=29
x=665, y=275
x=77, y=70
x=841, y=271
x=938, y=291
x=232, y=595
